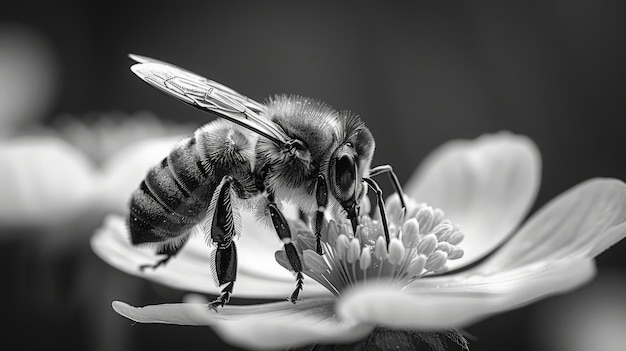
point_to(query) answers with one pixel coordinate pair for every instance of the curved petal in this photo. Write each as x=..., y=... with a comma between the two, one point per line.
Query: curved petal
x=258, y=274
x=458, y=300
x=485, y=185
x=44, y=180
x=122, y=172
x=265, y=326
x=583, y=221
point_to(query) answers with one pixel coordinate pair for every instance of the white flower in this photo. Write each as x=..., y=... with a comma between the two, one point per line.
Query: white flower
x=47, y=181
x=484, y=186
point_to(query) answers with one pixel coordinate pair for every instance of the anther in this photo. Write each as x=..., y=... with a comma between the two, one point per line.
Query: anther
x=380, y=248
x=455, y=253
x=332, y=233
x=366, y=259
x=438, y=216
x=427, y=245
x=442, y=231
x=410, y=233
x=396, y=251
x=425, y=217
x=444, y=246
x=456, y=237
x=416, y=266
x=436, y=261
x=352, y=253
x=342, y=246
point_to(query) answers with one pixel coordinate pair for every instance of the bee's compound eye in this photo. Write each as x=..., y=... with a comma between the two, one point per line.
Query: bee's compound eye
x=345, y=172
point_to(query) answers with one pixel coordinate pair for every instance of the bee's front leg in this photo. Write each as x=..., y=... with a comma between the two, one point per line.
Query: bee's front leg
x=321, y=196
x=284, y=233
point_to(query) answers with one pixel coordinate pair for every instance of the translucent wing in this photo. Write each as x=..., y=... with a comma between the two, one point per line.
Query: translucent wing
x=207, y=95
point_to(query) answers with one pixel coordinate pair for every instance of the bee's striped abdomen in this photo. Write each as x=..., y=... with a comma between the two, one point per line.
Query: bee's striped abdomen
x=172, y=198
x=175, y=194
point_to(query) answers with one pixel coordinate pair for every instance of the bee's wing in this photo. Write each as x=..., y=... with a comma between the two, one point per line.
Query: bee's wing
x=207, y=95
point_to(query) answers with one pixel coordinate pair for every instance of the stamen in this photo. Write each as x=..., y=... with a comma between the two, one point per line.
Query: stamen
x=353, y=251
x=396, y=251
x=427, y=245
x=380, y=251
x=436, y=261
x=416, y=266
x=420, y=245
x=456, y=237
x=366, y=259
x=341, y=247
x=410, y=233
x=425, y=217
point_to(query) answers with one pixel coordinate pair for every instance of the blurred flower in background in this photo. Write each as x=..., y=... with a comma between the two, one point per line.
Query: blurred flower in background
x=485, y=186
x=58, y=182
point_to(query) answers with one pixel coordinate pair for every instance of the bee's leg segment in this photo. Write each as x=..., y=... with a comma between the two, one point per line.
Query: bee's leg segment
x=394, y=181
x=169, y=250
x=381, y=206
x=284, y=233
x=321, y=196
x=224, y=258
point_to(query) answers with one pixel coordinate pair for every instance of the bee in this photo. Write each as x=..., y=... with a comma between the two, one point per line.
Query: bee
x=290, y=148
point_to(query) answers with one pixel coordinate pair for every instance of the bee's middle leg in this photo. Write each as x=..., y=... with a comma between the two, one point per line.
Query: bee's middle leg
x=284, y=233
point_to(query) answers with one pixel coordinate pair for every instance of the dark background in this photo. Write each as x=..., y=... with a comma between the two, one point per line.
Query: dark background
x=418, y=75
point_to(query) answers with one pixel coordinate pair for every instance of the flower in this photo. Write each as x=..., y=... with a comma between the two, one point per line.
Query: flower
x=485, y=187
x=48, y=180
x=53, y=193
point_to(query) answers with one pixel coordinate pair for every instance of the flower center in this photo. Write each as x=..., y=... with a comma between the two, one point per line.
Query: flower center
x=421, y=243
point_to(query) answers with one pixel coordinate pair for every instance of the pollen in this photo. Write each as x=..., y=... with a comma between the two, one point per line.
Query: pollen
x=422, y=242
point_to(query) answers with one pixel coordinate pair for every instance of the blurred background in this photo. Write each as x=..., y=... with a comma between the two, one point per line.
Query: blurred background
x=418, y=76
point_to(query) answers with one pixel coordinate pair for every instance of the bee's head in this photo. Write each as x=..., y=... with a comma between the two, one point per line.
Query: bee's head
x=350, y=163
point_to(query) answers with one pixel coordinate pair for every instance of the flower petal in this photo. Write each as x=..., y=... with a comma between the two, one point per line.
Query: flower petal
x=44, y=180
x=455, y=301
x=485, y=185
x=583, y=221
x=265, y=326
x=258, y=274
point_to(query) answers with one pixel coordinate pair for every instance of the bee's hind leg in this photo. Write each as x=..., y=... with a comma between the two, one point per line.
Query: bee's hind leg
x=284, y=233
x=225, y=259
x=169, y=250
x=223, y=229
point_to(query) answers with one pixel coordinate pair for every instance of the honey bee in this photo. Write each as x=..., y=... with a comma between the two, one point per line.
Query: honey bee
x=290, y=148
